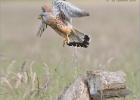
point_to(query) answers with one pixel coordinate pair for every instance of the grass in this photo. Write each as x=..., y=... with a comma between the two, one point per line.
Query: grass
x=30, y=81
x=58, y=77
x=113, y=28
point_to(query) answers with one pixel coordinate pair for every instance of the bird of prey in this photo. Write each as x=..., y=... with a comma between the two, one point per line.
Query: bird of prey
x=59, y=18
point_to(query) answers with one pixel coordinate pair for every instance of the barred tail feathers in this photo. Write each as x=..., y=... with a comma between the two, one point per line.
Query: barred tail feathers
x=78, y=39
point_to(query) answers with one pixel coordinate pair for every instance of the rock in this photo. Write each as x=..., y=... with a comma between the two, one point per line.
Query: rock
x=77, y=91
x=97, y=85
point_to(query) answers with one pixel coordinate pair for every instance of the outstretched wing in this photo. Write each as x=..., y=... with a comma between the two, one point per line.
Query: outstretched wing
x=42, y=28
x=67, y=10
x=43, y=24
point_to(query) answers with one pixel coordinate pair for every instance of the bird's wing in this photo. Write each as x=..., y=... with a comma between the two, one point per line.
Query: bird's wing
x=42, y=26
x=68, y=10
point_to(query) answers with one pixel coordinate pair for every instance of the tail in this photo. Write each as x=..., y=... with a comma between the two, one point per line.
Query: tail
x=78, y=39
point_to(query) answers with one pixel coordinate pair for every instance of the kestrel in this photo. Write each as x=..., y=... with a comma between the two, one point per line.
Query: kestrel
x=59, y=17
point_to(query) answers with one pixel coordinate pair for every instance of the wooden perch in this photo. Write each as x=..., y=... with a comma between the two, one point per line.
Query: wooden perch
x=97, y=85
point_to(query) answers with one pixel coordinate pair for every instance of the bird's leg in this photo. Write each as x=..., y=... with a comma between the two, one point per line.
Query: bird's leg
x=67, y=38
x=64, y=42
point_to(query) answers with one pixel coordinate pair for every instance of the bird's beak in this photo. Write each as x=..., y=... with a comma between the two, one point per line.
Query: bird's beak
x=39, y=17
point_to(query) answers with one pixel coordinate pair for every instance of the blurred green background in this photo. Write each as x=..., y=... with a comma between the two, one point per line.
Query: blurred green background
x=112, y=26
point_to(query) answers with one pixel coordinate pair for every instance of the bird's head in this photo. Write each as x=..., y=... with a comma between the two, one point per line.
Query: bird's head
x=43, y=15
x=46, y=13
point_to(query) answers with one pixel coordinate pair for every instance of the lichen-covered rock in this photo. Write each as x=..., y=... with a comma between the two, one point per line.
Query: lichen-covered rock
x=77, y=91
x=107, y=80
x=97, y=85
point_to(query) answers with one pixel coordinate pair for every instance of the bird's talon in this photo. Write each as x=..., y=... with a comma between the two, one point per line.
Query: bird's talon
x=64, y=42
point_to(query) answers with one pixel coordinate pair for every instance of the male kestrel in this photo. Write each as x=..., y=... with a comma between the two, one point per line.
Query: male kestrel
x=59, y=17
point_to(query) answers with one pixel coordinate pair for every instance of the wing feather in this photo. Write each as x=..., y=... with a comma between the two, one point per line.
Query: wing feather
x=42, y=27
x=69, y=10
